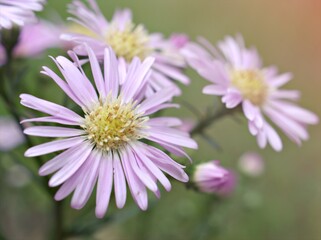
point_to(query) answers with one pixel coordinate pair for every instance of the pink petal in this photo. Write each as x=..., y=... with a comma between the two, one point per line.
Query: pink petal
x=165, y=121
x=88, y=181
x=60, y=160
x=134, y=81
x=119, y=182
x=167, y=137
x=69, y=169
x=145, y=179
x=62, y=84
x=214, y=90
x=250, y=110
x=156, y=99
x=50, y=108
x=78, y=82
x=136, y=187
x=47, y=131
x=53, y=146
x=96, y=71
x=111, y=72
x=51, y=119
x=273, y=138
x=105, y=184
x=139, y=150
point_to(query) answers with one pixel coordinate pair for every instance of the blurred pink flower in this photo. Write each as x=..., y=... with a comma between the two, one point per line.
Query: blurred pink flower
x=10, y=134
x=238, y=76
x=18, y=12
x=252, y=164
x=36, y=38
x=104, y=144
x=128, y=41
x=210, y=177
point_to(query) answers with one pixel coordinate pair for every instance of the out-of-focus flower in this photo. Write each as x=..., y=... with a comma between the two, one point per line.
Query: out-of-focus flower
x=18, y=176
x=210, y=177
x=252, y=164
x=104, y=144
x=238, y=76
x=18, y=12
x=128, y=41
x=10, y=134
x=36, y=38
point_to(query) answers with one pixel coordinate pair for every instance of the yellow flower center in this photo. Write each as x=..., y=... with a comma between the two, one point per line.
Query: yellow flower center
x=129, y=42
x=251, y=84
x=112, y=124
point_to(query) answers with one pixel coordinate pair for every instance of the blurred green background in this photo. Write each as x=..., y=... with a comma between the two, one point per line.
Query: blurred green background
x=283, y=204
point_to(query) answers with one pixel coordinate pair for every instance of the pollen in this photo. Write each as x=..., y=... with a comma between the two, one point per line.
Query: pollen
x=251, y=84
x=112, y=124
x=128, y=42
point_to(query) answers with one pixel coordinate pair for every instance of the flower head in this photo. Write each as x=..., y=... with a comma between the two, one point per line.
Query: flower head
x=18, y=12
x=237, y=75
x=210, y=177
x=104, y=144
x=127, y=41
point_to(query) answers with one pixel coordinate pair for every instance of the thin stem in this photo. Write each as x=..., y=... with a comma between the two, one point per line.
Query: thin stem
x=210, y=119
x=58, y=221
x=10, y=105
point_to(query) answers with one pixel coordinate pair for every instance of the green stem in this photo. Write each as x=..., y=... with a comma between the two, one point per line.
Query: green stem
x=207, y=121
x=58, y=221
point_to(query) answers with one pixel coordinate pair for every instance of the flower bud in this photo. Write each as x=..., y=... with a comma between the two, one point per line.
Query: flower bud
x=210, y=177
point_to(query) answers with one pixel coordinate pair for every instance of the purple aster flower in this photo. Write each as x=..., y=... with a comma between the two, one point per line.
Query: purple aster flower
x=104, y=144
x=10, y=134
x=237, y=75
x=210, y=177
x=18, y=12
x=128, y=41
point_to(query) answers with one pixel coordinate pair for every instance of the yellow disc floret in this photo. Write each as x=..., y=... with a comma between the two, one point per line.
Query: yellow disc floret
x=112, y=124
x=251, y=84
x=128, y=42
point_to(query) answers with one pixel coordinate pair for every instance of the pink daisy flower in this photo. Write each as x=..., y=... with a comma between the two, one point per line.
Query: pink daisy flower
x=18, y=12
x=237, y=75
x=128, y=41
x=104, y=145
x=210, y=177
